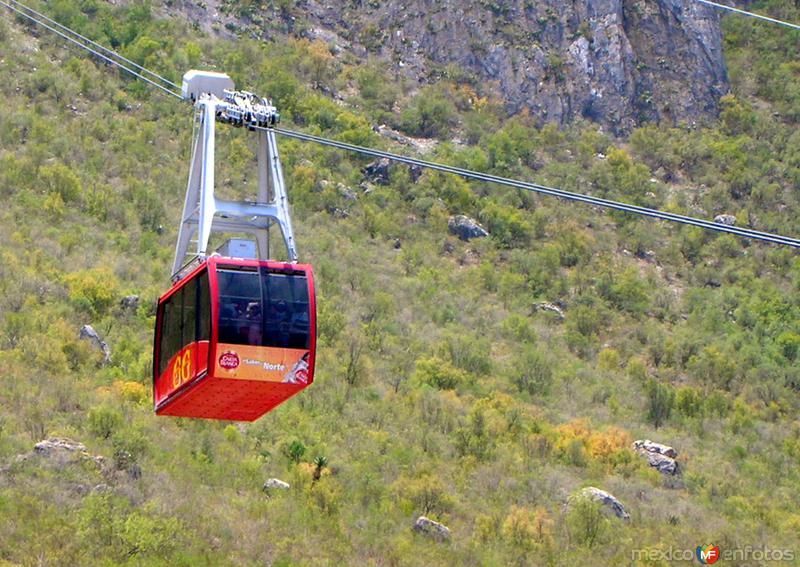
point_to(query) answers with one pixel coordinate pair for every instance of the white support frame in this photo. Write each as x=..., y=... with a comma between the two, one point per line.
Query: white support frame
x=203, y=213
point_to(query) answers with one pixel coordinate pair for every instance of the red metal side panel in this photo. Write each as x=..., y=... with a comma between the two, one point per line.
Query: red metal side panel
x=312, y=305
x=237, y=400
x=188, y=364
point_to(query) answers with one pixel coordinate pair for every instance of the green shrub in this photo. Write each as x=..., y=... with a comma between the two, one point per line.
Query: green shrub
x=688, y=401
x=294, y=451
x=60, y=179
x=439, y=373
x=533, y=372
x=789, y=343
x=587, y=522
x=104, y=421
x=473, y=438
x=431, y=113
x=660, y=401
x=469, y=353
x=94, y=290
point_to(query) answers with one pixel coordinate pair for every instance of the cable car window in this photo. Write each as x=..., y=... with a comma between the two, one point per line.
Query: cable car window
x=204, y=308
x=239, y=307
x=286, y=321
x=266, y=309
x=171, y=328
x=188, y=332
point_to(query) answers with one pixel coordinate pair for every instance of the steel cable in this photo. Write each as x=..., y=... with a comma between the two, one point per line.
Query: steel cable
x=90, y=50
x=749, y=14
x=465, y=173
x=109, y=52
x=606, y=203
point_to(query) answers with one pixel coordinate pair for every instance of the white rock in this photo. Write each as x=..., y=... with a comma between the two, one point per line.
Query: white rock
x=606, y=499
x=660, y=457
x=547, y=306
x=653, y=447
x=276, y=484
x=431, y=528
x=466, y=228
x=88, y=332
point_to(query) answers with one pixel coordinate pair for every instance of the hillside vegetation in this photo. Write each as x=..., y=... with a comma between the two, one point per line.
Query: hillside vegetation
x=440, y=389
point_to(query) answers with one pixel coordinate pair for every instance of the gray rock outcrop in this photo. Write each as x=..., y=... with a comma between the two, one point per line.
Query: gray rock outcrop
x=130, y=302
x=346, y=192
x=619, y=62
x=465, y=228
x=622, y=63
x=728, y=220
x=378, y=171
x=660, y=457
x=653, y=447
x=551, y=307
x=275, y=484
x=430, y=528
x=60, y=451
x=606, y=499
x=88, y=333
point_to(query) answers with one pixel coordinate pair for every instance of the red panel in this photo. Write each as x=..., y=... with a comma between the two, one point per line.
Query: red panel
x=188, y=363
x=219, y=398
x=312, y=306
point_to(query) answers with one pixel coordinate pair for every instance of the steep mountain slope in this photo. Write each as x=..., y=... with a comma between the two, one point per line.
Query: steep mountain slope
x=445, y=387
x=619, y=63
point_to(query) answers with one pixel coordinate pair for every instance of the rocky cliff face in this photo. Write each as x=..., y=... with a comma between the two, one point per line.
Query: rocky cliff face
x=618, y=62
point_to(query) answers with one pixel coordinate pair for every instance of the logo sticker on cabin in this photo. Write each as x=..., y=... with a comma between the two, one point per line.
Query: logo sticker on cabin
x=267, y=364
x=229, y=360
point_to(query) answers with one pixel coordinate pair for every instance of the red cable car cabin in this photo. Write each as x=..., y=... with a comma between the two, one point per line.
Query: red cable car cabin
x=234, y=339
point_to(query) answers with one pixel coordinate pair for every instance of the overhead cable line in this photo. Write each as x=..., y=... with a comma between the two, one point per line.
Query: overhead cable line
x=568, y=195
x=749, y=14
x=90, y=49
x=465, y=173
x=104, y=49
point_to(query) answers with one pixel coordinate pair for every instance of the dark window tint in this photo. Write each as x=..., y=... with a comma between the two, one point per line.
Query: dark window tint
x=189, y=331
x=263, y=308
x=239, y=306
x=187, y=318
x=287, y=320
x=204, y=308
x=171, y=324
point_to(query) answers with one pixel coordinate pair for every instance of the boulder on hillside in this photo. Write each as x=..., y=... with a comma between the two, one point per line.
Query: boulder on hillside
x=653, y=447
x=606, y=499
x=662, y=463
x=551, y=307
x=71, y=470
x=414, y=172
x=130, y=302
x=346, y=192
x=430, y=528
x=660, y=457
x=87, y=332
x=61, y=451
x=56, y=445
x=465, y=228
x=378, y=171
x=275, y=484
x=728, y=220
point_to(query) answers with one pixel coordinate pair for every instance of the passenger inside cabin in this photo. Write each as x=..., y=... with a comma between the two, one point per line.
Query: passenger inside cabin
x=228, y=313
x=253, y=316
